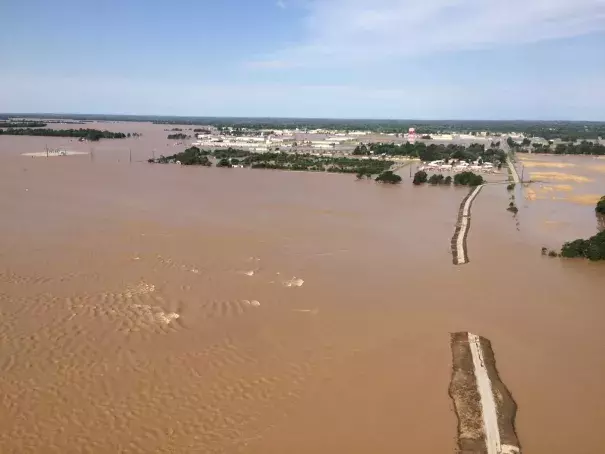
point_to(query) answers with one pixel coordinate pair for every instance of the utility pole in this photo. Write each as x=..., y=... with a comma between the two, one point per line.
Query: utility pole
x=153, y=154
x=46, y=146
x=130, y=155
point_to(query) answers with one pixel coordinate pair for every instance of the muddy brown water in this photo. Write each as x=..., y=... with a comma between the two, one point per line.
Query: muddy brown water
x=149, y=308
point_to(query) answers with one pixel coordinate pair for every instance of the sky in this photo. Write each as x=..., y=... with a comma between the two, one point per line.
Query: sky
x=391, y=59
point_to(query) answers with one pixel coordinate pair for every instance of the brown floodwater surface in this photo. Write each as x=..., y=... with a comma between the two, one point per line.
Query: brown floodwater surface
x=151, y=308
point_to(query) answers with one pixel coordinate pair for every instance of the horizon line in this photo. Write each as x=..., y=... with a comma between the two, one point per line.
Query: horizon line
x=504, y=120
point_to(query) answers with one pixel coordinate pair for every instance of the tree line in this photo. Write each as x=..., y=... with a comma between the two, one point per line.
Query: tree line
x=582, y=148
x=22, y=124
x=434, y=152
x=192, y=156
x=592, y=248
x=87, y=134
x=178, y=136
x=280, y=161
x=460, y=179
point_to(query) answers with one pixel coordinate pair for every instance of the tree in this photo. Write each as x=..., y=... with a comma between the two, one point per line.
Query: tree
x=361, y=150
x=192, y=156
x=592, y=248
x=436, y=179
x=420, y=177
x=600, y=208
x=224, y=163
x=388, y=177
x=468, y=179
x=178, y=136
x=511, y=143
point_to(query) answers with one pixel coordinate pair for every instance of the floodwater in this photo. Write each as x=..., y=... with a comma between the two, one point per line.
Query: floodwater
x=150, y=308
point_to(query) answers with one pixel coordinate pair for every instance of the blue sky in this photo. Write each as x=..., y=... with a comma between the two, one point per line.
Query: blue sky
x=408, y=59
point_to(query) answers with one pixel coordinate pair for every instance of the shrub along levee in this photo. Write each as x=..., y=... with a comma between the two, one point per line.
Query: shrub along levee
x=461, y=179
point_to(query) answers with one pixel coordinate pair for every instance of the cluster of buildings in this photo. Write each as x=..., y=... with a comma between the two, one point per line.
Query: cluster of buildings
x=461, y=166
x=322, y=141
x=277, y=141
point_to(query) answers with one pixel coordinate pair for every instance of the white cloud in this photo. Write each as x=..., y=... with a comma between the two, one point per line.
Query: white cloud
x=350, y=31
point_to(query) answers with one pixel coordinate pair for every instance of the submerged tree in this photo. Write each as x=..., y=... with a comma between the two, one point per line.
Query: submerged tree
x=593, y=248
x=388, y=177
x=600, y=208
x=224, y=163
x=420, y=177
x=468, y=179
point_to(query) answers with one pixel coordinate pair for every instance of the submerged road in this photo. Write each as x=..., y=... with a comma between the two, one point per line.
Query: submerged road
x=513, y=171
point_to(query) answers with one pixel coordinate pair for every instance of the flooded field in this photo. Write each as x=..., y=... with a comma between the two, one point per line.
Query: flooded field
x=151, y=308
x=560, y=203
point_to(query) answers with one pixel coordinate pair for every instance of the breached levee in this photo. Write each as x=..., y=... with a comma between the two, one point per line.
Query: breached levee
x=459, y=248
x=485, y=408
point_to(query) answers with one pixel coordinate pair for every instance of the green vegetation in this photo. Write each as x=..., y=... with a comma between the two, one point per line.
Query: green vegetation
x=592, y=248
x=221, y=153
x=280, y=161
x=434, y=152
x=468, y=179
x=582, y=148
x=308, y=162
x=84, y=134
x=511, y=187
x=190, y=157
x=565, y=130
x=361, y=150
x=22, y=124
x=177, y=136
x=439, y=179
x=224, y=163
x=600, y=208
x=420, y=177
x=388, y=177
